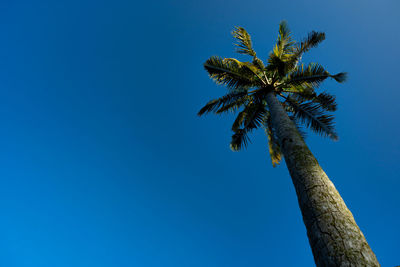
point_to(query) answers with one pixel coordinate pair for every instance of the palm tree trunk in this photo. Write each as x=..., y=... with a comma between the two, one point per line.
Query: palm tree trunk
x=334, y=236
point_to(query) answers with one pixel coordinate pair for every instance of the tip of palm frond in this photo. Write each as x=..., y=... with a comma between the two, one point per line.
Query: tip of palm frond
x=238, y=31
x=276, y=158
x=243, y=45
x=201, y=112
x=283, y=26
x=334, y=136
x=340, y=77
x=210, y=106
x=234, y=147
x=314, y=38
x=239, y=140
x=275, y=164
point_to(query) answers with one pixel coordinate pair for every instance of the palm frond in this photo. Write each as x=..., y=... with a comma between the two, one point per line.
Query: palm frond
x=312, y=40
x=340, y=77
x=276, y=65
x=297, y=123
x=284, y=45
x=254, y=116
x=313, y=117
x=221, y=104
x=327, y=101
x=258, y=63
x=280, y=59
x=304, y=89
x=249, y=119
x=244, y=45
x=291, y=110
x=239, y=140
x=239, y=120
x=232, y=73
x=234, y=105
x=273, y=144
x=313, y=74
x=256, y=70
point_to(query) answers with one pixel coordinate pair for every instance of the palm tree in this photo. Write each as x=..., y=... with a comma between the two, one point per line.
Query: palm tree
x=280, y=97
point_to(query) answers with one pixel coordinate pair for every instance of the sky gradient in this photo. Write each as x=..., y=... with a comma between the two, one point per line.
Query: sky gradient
x=103, y=161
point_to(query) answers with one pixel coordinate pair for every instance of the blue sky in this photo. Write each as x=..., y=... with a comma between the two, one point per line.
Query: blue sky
x=104, y=162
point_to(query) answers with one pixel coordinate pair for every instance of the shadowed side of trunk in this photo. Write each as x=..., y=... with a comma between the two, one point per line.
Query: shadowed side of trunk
x=334, y=236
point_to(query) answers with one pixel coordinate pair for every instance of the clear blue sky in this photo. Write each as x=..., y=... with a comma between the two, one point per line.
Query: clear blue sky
x=104, y=162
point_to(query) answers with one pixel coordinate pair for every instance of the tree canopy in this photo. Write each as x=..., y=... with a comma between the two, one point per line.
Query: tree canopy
x=297, y=84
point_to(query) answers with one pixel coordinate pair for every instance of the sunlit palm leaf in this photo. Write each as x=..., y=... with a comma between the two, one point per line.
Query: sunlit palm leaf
x=305, y=89
x=312, y=40
x=244, y=45
x=258, y=63
x=273, y=144
x=280, y=60
x=276, y=65
x=284, y=45
x=231, y=73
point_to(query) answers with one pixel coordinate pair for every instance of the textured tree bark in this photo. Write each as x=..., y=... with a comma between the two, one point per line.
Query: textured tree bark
x=334, y=236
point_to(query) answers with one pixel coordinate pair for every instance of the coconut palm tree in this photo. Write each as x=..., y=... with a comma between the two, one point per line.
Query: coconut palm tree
x=280, y=96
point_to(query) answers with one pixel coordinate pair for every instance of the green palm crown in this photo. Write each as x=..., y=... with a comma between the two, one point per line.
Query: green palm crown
x=285, y=75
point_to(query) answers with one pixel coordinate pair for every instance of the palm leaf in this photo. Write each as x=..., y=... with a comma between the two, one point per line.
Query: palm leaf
x=304, y=89
x=281, y=58
x=234, y=105
x=231, y=73
x=254, y=116
x=239, y=120
x=313, y=117
x=312, y=40
x=276, y=65
x=313, y=74
x=258, y=63
x=284, y=45
x=244, y=45
x=250, y=118
x=297, y=123
x=239, y=140
x=221, y=104
x=340, y=77
x=273, y=144
x=291, y=110
x=256, y=67
x=327, y=101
